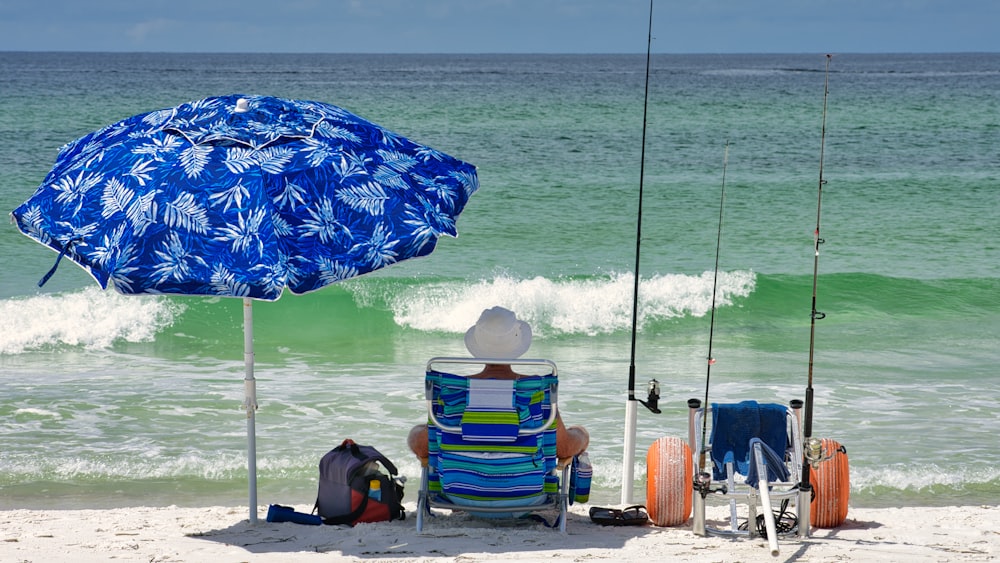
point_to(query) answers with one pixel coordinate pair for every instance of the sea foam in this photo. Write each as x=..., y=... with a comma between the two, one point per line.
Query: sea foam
x=91, y=318
x=590, y=306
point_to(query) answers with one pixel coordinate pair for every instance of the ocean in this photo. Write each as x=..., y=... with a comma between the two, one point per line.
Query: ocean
x=110, y=400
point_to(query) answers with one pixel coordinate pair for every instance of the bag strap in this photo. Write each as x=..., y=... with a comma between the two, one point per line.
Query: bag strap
x=348, y=518
x=366, y=454
x=376, y=455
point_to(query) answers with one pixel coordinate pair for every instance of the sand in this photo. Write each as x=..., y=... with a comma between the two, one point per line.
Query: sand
x=224, y=534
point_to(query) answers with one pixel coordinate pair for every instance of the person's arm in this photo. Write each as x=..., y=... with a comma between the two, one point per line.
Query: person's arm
x=570, y=441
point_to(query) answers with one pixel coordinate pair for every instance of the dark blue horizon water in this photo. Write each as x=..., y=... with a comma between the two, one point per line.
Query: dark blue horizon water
x=110, y=400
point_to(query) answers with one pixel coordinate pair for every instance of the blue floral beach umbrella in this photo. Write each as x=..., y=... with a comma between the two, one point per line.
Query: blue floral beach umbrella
x=244, y=196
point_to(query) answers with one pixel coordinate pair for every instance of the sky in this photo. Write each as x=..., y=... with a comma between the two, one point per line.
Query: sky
x=501, y=26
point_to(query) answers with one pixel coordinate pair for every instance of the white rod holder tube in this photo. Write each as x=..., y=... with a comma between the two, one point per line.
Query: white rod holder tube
x=628, y=455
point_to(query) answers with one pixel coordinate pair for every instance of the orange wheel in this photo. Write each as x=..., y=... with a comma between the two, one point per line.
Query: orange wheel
x=831, y=483
x=668, y=482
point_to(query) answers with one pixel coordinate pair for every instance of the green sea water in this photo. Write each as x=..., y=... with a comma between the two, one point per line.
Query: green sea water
x=110, y=400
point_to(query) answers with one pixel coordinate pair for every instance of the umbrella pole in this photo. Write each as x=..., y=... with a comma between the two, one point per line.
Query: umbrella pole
x=250, y=404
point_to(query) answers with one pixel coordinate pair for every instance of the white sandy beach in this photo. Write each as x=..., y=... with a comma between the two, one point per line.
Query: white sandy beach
x=223, y=534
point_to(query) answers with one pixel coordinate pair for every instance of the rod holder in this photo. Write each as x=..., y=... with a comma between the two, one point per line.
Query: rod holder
x=701, y=485
x=805, y=502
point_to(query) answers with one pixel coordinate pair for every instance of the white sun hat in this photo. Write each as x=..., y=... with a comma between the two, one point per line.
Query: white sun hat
x=498, y=334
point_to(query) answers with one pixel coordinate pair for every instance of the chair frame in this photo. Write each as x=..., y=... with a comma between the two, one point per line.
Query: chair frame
x=760, y=496
x=558, y=501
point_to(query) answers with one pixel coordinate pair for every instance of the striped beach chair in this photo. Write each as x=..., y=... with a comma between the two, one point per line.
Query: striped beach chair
x=492, y=442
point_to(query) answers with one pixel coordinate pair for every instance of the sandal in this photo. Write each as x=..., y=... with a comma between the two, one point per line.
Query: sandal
x=631, y=516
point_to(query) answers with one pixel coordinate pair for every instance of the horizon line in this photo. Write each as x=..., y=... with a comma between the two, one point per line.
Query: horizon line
x=493, y=53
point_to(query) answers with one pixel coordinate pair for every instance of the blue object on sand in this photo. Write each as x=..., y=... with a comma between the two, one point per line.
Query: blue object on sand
x=278, y=513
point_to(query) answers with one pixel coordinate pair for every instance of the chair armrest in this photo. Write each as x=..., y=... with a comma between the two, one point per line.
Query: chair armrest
x=553, y=414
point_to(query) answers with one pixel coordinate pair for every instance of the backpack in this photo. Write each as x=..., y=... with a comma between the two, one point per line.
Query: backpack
x=353, y=490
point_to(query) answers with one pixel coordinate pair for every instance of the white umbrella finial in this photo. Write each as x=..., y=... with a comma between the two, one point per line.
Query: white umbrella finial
x=242, y=105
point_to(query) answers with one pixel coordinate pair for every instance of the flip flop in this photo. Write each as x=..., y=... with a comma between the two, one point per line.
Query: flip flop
x=605, y=516
x=631, y=516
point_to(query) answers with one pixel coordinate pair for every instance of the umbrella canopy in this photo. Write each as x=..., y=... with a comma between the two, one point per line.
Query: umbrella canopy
x=243, y=196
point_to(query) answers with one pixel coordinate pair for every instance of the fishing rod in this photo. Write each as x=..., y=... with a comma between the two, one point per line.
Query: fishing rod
x=628, y=459
x=711, y=325
x=812, y=453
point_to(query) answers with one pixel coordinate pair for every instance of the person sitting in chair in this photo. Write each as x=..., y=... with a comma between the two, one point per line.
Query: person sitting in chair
x=499, y=334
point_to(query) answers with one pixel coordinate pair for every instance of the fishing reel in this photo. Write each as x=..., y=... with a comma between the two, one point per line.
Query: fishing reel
x=653, y=397
x=703, y=485
x=814, y=452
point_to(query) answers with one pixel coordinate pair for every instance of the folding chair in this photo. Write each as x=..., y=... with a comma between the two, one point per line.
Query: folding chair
x=492, y=443
x=755, y=453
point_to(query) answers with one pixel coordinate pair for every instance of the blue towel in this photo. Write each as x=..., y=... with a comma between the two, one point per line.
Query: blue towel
x=735, y=424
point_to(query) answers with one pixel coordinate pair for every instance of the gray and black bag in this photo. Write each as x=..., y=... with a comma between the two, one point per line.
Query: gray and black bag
x=353, y=489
